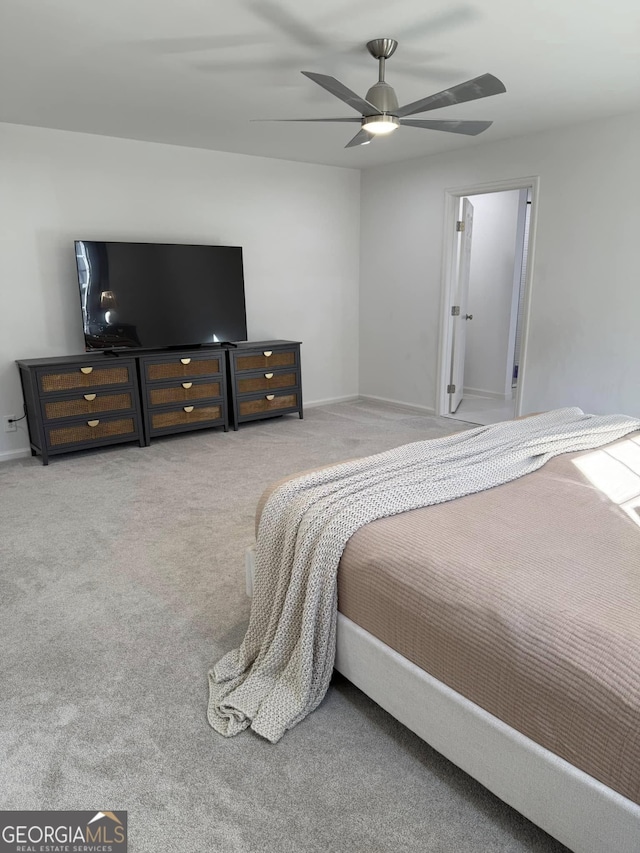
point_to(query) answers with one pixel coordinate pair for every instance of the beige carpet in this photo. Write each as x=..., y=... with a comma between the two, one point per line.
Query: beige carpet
x=122, y=582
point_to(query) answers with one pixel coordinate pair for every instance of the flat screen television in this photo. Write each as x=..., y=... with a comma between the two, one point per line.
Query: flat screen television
x=158, y=295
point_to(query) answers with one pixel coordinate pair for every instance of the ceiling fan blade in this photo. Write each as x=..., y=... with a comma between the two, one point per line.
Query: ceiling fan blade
x=195, y=44
x=429, y=26
x=469, y=128
x=361, y=138
x=479, y=87
x=438, y=23
x=308, y=119
x=341, y=91
x=287, y=23
x=250, y=66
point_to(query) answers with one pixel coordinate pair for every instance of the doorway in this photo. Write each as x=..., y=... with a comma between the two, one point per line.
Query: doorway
x=487, y=270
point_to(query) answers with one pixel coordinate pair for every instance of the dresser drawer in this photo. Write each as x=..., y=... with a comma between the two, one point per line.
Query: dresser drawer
x=266, y=403
x=88, y=404
x=90, y=431
x=186, y=416
x=86, y=376
x=265, y=360
x=184, y=392
x=267, y=381
x=182, y=368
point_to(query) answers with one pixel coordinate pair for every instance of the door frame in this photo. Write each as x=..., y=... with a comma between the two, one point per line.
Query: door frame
x=459, y=323
x=452, y=198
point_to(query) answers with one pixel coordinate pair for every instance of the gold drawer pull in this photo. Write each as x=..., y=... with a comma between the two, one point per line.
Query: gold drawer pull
x=268, y=353
x=187, y=384
x=268, y=376
x=89, y=397
x=188, y=409
x=185, y=361
x=270, y=396
x=92, y=423
x=86, y=370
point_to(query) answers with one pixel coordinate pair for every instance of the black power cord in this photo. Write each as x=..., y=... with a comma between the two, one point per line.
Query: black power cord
x=15, y=420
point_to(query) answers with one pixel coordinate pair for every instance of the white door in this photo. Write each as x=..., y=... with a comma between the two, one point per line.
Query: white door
x=459, y=333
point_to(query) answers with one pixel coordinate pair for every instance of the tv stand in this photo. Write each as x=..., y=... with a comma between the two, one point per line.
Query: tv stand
x=91, y=400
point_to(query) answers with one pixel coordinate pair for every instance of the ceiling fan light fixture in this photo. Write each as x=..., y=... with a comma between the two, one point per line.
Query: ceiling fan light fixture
x=380, y=125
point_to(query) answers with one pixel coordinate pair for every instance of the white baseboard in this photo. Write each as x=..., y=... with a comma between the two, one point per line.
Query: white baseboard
x=410, y=407
x=313, y=403
x=480, y=392
x=7, y=455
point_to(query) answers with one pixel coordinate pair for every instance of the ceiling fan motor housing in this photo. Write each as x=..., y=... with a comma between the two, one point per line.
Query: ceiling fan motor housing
x=382, y=96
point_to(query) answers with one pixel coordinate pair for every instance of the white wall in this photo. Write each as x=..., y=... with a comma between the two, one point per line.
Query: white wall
x=583, y=343
x=493, y=248
x=297, y=223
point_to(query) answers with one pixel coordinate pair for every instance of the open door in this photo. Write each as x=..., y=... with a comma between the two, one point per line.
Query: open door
x=459, y=308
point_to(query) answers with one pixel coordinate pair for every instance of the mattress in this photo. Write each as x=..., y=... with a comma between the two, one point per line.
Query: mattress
x=525, y=599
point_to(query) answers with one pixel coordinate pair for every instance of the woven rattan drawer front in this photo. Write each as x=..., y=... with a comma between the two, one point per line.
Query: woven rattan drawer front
x=184, y=392
x=88, y=404
x=84, y=432
x=179, y=368
x=179, y=417
x=267, y=381
x=85, y=377
x=255, y=407
x=260, y=361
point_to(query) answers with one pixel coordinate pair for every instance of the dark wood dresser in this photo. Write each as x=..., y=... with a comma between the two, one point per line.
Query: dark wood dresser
x=183, y=391
x=264, y=380
x=82, y=401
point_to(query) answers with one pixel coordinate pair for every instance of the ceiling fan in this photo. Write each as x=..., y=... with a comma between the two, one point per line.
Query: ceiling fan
x=380, y=113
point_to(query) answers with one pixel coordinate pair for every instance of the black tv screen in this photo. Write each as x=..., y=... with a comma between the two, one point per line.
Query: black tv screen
x=156, y=295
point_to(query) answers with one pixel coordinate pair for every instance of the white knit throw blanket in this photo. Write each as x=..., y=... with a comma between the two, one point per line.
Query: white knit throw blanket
x=282, y=670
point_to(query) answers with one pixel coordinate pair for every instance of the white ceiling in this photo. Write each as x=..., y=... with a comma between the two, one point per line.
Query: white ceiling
x=194, y=72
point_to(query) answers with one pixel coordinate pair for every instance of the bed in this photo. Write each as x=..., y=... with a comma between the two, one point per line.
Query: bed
x=503, y=628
